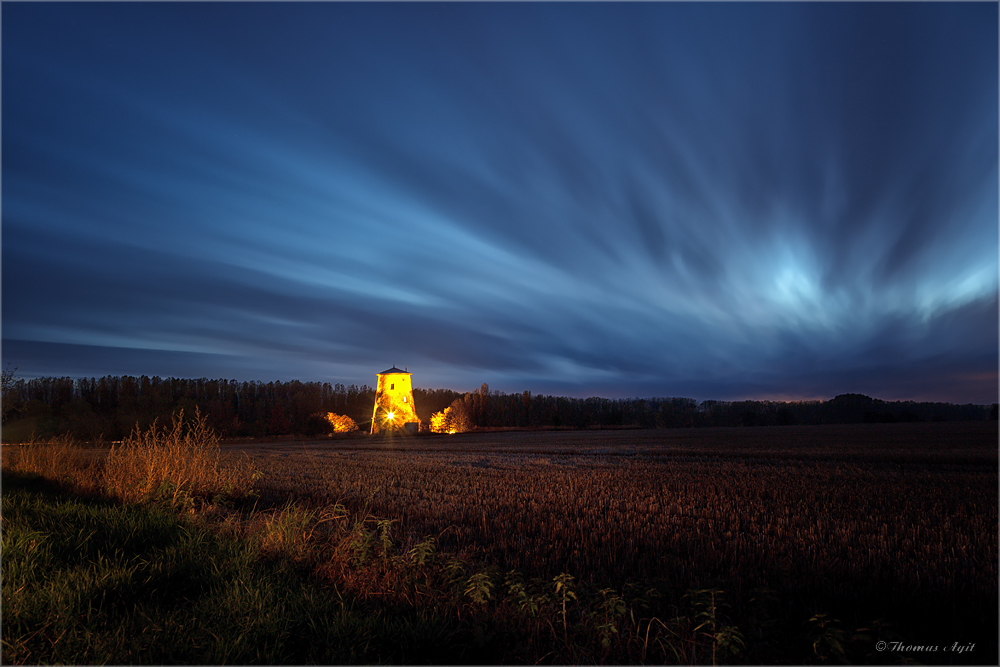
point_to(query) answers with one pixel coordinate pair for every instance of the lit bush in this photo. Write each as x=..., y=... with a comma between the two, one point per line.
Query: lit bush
x=341, y=423
x=453, y=419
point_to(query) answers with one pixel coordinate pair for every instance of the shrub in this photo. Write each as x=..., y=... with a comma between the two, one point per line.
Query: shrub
x=439, y=421
x=341, y=423
x=453, y=419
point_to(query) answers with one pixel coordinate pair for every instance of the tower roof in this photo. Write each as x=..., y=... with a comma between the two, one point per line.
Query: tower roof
x=392, y=370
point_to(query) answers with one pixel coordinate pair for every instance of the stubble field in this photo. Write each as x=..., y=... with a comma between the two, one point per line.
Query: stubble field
x=892, y=523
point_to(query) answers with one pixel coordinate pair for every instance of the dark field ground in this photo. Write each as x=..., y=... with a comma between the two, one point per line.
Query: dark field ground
x=882, y=523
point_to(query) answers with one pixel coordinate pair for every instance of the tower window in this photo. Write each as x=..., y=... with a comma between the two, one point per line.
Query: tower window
x=391, y=387
x=404, y=399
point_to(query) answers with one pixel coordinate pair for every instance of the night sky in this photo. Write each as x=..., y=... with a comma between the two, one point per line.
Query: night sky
x=726, y=201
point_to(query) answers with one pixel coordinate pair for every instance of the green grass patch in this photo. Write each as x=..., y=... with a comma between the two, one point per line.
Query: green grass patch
x=88, y=582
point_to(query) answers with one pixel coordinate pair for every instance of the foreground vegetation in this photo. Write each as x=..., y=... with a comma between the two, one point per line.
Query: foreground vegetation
x=92, y=582
x=614, y=548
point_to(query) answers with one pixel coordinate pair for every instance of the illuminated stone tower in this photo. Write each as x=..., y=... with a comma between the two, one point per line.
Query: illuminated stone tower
x=394, y=403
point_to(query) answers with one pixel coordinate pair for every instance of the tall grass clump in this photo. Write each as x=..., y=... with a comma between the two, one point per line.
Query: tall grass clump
x=175, y=462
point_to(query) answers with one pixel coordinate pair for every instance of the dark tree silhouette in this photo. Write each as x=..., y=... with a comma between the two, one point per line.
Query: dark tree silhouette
x=111, y=406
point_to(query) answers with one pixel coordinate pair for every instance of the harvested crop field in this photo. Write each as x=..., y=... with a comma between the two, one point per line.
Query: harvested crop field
x=881, y=519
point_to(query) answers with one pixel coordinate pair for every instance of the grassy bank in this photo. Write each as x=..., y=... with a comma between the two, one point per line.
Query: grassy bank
x=91, y=581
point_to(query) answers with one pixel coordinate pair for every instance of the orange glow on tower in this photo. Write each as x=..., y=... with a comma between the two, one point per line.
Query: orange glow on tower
x=394, y=403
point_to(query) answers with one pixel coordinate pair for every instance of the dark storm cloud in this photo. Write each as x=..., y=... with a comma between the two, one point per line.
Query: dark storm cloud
x=713, y=200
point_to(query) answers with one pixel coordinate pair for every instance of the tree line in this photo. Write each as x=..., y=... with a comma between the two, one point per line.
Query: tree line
x=496, y=409
x=110, y=407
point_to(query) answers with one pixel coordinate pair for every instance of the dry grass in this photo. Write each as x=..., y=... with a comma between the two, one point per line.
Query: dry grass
x=175, y=462
x=60, y=459
x=295, y=531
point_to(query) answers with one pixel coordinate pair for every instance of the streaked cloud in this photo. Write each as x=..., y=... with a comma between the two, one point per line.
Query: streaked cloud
x=719, y=201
